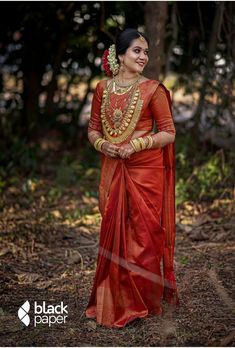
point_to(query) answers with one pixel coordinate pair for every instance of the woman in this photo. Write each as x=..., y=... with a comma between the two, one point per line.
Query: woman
x=136, y=188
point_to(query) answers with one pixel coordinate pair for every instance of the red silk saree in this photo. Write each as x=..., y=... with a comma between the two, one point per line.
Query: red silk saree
x=135, y=265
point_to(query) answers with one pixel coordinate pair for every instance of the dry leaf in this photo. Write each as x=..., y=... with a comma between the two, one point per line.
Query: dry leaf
x=91, y=325
x=25, y=278
x=4, y=251
x=202, y=219
x=44, y=285
x=56, y=214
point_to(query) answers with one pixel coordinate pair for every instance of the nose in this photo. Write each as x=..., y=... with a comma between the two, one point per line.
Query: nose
x=142, y=55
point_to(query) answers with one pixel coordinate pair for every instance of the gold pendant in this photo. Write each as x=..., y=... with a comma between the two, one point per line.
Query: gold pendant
x=117, y=114
x=117, y=117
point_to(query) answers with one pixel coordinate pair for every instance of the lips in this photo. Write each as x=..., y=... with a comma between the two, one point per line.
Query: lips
x=141, y=64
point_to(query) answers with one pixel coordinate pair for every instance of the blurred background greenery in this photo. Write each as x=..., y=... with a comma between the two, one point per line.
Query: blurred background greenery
x=50, y=56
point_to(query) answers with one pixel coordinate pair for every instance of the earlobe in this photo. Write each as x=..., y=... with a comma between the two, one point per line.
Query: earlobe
x=120, y=59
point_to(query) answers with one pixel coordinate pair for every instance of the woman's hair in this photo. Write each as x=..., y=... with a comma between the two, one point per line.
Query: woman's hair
x=125, y=38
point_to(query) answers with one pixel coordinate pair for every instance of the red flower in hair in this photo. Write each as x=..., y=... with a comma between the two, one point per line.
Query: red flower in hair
x=105, y=64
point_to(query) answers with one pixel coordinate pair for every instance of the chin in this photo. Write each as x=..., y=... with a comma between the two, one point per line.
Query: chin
x=140, y=69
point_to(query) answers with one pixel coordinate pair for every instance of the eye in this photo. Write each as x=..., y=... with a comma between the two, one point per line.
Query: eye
x=146, y=53
x=137, y=50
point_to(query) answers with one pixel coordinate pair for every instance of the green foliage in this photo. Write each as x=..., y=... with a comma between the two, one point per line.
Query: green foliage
x=69, y=172
x=82, y=173
x=54, y=194
x=210, y=175
x=20, y=154
x=2, y=179
x=182, y=192
x=77, y=213
x=90, y=157
x=205, y=177
x=184, y=259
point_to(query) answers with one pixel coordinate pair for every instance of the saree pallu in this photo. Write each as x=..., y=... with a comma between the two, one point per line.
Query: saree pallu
x=136, y=196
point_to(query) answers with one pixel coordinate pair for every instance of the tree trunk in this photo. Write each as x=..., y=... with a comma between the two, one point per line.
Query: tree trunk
x=215, y=33
x=174, y=37
x=32, y=87
x=52, y=86
x=64, y=31
x=33, y=69
x=155, y=22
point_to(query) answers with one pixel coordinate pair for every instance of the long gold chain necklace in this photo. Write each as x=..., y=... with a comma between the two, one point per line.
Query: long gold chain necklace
x=117, y=106
x=122, y=120
x=117, y=113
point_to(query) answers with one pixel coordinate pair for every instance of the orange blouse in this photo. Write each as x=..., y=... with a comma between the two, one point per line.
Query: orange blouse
x=155, y=108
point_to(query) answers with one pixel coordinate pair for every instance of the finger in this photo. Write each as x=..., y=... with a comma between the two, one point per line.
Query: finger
x=113, y=155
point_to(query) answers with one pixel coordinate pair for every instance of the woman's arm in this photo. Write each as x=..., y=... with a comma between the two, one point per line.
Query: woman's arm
x=95, y=126
x=162, y=138
x=162, y=114
x=93, y=135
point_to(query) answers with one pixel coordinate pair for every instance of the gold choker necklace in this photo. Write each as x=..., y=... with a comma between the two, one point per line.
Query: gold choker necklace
x=118, y=83
x=118, y=89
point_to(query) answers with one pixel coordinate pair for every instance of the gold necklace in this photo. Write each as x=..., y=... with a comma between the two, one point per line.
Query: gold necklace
x=118, y=89
x=126, y=125
x=119, y=108
x=125, y=85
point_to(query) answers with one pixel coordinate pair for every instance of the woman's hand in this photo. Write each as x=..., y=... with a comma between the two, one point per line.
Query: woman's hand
x=126, y=150
x=109, y=149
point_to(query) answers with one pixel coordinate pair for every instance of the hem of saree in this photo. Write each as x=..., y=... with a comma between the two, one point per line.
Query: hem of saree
x=124, y=322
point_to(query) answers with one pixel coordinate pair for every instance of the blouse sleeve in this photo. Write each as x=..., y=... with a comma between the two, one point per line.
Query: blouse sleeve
x=95, y=120
x=161, y=111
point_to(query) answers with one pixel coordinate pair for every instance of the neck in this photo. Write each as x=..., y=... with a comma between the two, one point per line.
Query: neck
x=126, y=76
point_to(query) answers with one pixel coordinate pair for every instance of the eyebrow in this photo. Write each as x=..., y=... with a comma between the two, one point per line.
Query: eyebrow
x=140, y=47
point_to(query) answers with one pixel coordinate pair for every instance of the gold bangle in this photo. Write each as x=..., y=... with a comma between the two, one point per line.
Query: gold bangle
x=147, y=142
x=137, y=144
x=133, y=145
x=98, y=143
x=150, y=141
x=142, y=142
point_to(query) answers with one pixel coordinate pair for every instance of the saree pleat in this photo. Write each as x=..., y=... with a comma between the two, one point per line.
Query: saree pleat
x=128, y=281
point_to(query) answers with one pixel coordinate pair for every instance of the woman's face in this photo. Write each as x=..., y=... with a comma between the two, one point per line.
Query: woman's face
x=136, y=56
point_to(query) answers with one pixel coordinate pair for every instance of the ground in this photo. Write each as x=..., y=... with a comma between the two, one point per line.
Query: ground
x=48, y=252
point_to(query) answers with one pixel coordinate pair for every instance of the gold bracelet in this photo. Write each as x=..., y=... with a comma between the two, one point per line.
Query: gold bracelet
x=150, y=141
x=137, y=144
x=98, y=143
x=133, y=145
x=143, y=143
